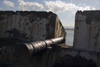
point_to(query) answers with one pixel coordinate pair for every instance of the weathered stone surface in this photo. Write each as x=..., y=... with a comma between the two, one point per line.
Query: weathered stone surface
x=30, y=25
x=26, y=27
x=77, y=61
x=87, y=35
x=87, y=28
x=36, y=26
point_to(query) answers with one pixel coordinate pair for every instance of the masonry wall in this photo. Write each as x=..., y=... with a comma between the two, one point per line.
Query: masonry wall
x=85, y=51
x=28, y=26
x=87, y=29
x=35, y=26
x=87, y=34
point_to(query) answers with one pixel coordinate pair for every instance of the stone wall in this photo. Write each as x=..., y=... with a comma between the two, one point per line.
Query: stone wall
x=87, y=36
x=30, y=25
x=36, y=26
x=87, y=28
x=26, y=27
x=85, y=51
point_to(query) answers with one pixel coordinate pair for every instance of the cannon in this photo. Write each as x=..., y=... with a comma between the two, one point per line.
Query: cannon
x=38, y=46
x=12, y=49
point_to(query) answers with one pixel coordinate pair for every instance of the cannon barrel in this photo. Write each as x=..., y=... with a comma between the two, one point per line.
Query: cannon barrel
x=38, y=46
x=21, y=51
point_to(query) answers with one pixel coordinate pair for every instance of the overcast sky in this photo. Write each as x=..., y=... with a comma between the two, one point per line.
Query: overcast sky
x=65, y=9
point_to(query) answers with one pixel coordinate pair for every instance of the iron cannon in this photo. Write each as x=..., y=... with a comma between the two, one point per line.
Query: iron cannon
x=39, y=46
x=16, y=50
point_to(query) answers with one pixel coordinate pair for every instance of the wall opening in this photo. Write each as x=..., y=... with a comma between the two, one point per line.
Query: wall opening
x=69, y=37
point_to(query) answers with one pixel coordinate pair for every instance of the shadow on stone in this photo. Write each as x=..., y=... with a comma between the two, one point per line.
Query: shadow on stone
x=77, y=61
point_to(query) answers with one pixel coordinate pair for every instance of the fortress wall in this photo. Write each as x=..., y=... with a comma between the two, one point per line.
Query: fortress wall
x=87, y=30
x=35, y=26
x=87, y=34
x=30, y=25
x=86, y=49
